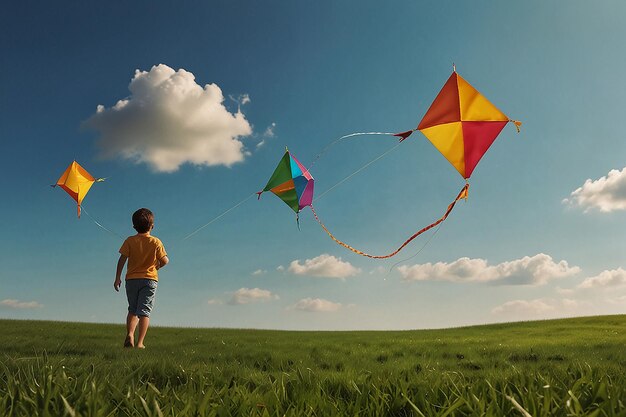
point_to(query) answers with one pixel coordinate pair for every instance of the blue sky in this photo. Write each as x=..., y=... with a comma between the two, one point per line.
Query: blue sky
x=301, y=74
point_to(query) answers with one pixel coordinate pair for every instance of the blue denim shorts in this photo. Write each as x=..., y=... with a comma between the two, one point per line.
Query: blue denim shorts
x=140, y=294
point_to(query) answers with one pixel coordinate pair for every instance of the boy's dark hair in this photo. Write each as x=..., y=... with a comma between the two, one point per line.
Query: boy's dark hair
x=143, y=219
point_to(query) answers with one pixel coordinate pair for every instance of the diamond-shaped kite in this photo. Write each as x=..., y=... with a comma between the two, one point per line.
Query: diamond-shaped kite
x=76, y=181
x=291, y=182
x=462, y=124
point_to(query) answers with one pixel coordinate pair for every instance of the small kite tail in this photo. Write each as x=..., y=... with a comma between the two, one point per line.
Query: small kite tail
x=517, y=124
x=78, y=210
x=100, y=179
x=404, y=135
x=258, y=193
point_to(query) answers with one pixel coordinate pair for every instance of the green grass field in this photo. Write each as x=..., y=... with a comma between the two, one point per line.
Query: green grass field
x=548, y=368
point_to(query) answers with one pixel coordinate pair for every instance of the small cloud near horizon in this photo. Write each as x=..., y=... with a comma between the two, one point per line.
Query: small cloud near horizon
x=540, y=308
x=17, y=304
x=605, y=194
x=605, y=279
x=325, y=266
x=251, y=295
x=529, y=270
x=316, y=305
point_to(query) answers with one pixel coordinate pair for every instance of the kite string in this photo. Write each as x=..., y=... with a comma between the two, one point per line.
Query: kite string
x=218, y=217
x=357, y=171
x=317, y=198
x=98, y=223
x=331, y=144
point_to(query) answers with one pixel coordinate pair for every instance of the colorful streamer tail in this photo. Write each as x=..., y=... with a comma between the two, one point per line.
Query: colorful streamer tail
x=462, y=195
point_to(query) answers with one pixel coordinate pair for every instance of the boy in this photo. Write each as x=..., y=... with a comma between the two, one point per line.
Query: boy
x=145, y=255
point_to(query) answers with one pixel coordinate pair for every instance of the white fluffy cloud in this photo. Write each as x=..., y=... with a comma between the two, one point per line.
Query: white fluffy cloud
x=324, y=265
x=169, y=120
x=612, y=278
x=259, y=272
x=20, y=304
x=251, y=295
x=529, y=270
x=317, y=305
x=605, y=194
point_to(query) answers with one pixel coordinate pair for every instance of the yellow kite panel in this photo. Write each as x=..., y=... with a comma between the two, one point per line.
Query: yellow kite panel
x=475, y=107
x=448, y=139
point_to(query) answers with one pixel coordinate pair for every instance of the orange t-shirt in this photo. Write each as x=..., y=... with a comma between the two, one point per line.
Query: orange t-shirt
x=143, y=252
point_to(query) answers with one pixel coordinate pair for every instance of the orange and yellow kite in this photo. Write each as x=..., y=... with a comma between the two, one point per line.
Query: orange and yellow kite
x=76, y=181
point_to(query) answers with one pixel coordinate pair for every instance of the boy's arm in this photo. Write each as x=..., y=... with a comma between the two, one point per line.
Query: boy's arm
x=162, y=262
x=118, y=273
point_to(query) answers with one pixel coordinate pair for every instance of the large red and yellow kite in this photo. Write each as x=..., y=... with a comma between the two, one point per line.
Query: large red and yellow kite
x=462, y=124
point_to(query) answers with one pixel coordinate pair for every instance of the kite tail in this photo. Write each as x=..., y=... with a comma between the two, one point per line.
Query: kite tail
x=78, y=210
x=517, y=124
x=404, y=135
x=462, y=195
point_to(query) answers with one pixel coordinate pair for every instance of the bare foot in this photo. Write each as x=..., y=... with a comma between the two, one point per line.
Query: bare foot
x=141, y=347
x=128, y=342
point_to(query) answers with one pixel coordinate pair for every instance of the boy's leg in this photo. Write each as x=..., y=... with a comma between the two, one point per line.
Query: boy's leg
x=131, y=325
x=132, y=290
x=144, y=322
x=144, y=307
